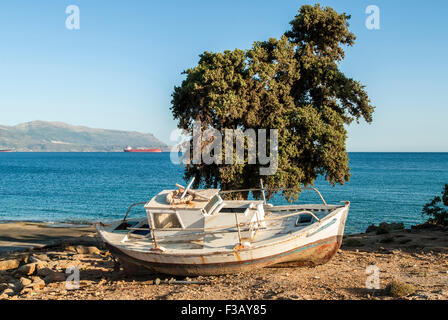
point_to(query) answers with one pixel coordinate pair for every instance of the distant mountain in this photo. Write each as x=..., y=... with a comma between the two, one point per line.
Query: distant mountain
x=42, y=136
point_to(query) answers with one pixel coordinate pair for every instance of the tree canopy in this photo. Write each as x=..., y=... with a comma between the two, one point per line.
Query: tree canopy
x=292, y=84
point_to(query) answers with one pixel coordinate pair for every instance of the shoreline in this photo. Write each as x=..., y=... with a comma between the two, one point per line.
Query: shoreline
x=25, y=236
x=416, y=257
x=68, y=223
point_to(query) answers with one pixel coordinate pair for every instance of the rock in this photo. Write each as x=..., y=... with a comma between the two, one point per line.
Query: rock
x=25, y=281
x=70, y=248
x=44, y=272
x=385, y=227
x=26, y=291
x=9, y=292
x=87, y=250
x=55, y=277
x=37, y=284
x=41, y=257
x=38, y=263
x=64, y=264
x=41, y=265
x=12, y=285
x=9, y=264
x=33, y=259
x=27, y=269
x=157, y=281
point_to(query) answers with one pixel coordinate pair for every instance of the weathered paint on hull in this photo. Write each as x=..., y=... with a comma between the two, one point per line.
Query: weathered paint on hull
x=312, y=247
x=315, y=256
x=312, y=254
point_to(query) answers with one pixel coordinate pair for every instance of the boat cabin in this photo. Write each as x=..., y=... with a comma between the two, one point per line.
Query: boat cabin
x=199, y=214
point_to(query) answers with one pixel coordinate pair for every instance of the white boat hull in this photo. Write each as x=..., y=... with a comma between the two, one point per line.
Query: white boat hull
x=313, y=245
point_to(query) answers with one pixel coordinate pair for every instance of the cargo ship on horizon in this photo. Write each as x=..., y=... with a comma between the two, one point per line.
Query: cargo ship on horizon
x=130, y=149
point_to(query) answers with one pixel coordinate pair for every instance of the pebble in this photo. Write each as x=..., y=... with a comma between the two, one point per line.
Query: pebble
x=37, y=285
x=44, y=272
x=9, y=264
x=55, y=277
x=9, y=292
x=87, y=250
x=25, y=281
x=41, y=257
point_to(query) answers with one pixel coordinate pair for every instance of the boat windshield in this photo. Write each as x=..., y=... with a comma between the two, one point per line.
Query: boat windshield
x=213, y=203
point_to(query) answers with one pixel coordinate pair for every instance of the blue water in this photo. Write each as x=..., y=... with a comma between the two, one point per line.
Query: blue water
x=80, y=187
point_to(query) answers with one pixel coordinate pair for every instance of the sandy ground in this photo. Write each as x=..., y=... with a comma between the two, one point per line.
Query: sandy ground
x=418, y=258
x=20, y=236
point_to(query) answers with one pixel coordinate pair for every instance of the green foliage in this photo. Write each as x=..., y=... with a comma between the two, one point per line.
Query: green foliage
x=437, y=209
x=400, y=289
x=292, y=84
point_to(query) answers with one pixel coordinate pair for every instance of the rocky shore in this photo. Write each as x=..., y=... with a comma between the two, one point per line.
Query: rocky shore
x=36, y=260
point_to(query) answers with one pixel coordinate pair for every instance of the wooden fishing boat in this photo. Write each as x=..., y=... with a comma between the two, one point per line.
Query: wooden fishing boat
x=210, y=236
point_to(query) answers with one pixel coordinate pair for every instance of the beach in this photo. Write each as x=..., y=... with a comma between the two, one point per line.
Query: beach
x=34, y=258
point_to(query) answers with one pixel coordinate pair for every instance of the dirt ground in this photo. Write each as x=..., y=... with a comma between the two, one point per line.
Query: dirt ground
x=417, y=259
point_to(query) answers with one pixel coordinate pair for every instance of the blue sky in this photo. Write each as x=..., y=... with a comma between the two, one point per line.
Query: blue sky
x=118, y=71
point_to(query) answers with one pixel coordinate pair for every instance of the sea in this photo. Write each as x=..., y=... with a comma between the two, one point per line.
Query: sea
x=83, y=188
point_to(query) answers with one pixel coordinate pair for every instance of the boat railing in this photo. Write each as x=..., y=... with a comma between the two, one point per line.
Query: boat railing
x=238, y=225
x=274, y=190
x=129, y=209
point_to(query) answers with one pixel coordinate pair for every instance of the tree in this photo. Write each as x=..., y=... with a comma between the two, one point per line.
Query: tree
x=292, y=84
x=433, y=209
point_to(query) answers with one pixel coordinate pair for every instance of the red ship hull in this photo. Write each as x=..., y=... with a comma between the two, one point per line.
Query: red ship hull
x=142, y=150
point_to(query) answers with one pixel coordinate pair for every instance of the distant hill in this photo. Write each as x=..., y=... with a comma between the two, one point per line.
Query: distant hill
x=42, y=136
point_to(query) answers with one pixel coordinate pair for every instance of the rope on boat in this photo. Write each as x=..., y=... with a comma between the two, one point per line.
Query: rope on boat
x=173, y=197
